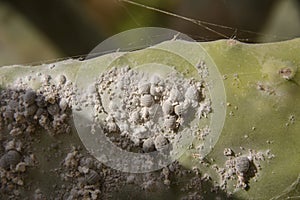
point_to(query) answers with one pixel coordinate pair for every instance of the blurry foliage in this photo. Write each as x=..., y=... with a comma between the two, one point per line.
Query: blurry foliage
x=284, y=21
x=20, y=41
x=34, y=30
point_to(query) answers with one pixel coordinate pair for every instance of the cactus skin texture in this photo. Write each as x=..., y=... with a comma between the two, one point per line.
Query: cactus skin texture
x=262, y=95
x=266, y=98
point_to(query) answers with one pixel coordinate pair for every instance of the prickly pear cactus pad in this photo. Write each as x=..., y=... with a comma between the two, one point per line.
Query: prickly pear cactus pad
x=179, y=120
x=262, y=90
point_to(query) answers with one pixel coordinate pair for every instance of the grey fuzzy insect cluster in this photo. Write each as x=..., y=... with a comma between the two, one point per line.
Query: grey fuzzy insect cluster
x=29, y=109
x=242, y=164
x=25, y=113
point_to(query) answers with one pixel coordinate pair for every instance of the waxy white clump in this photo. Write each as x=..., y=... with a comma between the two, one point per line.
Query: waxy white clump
x=145, y=106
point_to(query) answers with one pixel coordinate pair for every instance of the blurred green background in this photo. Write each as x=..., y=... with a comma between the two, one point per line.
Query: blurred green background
x=33, y=32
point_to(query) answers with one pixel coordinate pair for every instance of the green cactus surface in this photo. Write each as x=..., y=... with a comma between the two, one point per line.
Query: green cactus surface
x=255, y=94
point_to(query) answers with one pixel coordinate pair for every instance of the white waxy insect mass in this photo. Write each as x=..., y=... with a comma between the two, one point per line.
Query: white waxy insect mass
x=144, y=88
x=150, y=106
x=170, y=122
x=147, y=100
x=167, y=107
